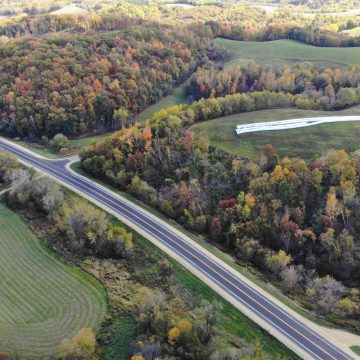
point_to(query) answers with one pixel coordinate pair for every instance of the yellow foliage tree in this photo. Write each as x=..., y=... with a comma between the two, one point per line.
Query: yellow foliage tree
x=173, y=335
x=332, y=206
x=184, y=326
x=250, y=200
x=82, y=345
x=277, y=175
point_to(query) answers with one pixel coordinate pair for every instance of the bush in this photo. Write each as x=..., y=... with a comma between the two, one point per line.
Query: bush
x=59, y=141
x=81, y=347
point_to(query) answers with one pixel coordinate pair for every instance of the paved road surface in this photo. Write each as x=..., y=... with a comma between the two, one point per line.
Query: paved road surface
x=315, y=346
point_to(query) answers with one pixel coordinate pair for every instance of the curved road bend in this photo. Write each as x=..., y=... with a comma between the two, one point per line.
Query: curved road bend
x=301, y=336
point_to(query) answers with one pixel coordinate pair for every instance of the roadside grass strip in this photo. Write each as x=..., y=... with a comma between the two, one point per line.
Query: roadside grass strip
x=291, y=124
x=42, y=299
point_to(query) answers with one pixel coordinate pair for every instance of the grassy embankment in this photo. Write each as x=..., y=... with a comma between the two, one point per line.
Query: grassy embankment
x=178, y=96
x=43, y=300
x=356, y=349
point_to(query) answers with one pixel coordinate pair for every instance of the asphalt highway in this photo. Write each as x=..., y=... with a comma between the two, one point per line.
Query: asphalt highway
x=295, y=331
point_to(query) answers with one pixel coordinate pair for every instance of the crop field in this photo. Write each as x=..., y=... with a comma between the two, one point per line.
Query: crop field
x=280, y=52
x=42, y=300
x=303, y=142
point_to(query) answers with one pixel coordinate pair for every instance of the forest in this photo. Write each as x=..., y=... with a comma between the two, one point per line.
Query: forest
x=75, y=83
x=295, y=221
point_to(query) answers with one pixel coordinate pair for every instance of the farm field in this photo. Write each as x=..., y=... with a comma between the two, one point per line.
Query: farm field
x=42, y=299
x=280, y=52
x=303, y=142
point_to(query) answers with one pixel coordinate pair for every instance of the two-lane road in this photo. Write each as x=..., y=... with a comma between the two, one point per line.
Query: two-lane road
x=303, y=340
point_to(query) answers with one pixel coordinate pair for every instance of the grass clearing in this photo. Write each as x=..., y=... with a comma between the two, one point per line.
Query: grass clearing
x=280, y=52
x=119, y=347
x=43, y=300
x=302, y=142
x=178, y=96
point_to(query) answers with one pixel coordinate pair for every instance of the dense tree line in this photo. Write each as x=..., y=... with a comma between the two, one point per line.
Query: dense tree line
x=43, y=24
x=235, y=21
x=294, y=220
x=84, y=79
x=215, y=107
x=328, y=88
x=73, y=83
x=306, y=33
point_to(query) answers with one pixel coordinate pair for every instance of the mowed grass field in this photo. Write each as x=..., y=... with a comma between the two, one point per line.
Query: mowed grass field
x=303, y=142
x=42, y=300
x=280, y=52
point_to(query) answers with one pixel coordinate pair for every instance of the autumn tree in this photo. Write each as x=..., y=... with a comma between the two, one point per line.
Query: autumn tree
x=81, y=346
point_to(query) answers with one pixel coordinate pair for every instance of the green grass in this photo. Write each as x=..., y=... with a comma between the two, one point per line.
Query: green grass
x=281, y=52
x=247, y=272
x=119, y=347
x=42, y=300
x=75, y=146
x=353, y=32
x=356, y=349
x=178, y=96
x=302, y=142
x=79, y=143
